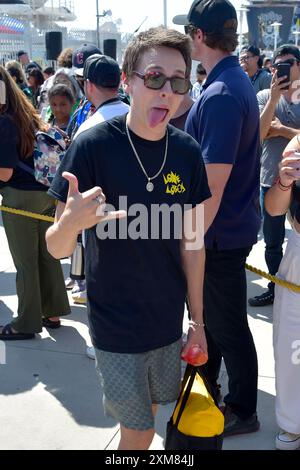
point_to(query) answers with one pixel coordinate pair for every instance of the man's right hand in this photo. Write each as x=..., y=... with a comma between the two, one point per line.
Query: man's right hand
x=84, y=210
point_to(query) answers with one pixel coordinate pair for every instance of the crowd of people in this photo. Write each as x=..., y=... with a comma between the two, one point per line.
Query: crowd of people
x=230, y=143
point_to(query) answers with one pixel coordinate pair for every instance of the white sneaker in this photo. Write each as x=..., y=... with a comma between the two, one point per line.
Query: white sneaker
x=90, y=352
x=79, y=297
x=79, y=285
x=287, y=441
x=69, y=283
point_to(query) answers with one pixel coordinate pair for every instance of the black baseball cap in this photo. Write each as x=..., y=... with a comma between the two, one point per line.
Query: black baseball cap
x=209, y=15
x=102, y=70
x=19, y=53
x=252, y=49
x=80, y=55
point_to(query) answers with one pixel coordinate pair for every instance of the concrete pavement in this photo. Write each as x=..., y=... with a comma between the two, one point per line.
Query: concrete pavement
x=50, y=397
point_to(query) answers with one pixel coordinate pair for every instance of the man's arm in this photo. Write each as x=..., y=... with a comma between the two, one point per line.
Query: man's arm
x=81, y=211
x=266, y=118
x=218, y=175
x=279, y=130
x=193, y=261
x=267, y=114
x=61, y=237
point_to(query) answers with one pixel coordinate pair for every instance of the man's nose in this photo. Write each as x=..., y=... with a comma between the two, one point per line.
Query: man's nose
x=166, y=89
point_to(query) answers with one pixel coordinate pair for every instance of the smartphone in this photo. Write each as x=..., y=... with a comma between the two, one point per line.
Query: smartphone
x=284, y=69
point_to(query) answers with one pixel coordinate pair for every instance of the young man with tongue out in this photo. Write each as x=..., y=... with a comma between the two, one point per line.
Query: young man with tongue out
x=138, y=280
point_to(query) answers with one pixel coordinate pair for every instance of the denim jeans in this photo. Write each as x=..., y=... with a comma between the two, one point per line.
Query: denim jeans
x=274, y=233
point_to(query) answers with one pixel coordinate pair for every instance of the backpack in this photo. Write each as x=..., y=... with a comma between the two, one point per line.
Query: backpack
x=50, y=148
x=197, y=422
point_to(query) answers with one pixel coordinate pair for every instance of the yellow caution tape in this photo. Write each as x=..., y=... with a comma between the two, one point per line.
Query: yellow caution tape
x=32, y=215
x=276, y=280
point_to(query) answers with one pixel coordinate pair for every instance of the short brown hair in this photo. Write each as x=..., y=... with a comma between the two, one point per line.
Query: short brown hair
x=157, y=37
x=225, y=40
x=65, y=58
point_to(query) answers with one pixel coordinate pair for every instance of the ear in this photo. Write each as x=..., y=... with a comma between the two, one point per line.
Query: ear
x=199, y=35
x=125, y=82
x=89, y=85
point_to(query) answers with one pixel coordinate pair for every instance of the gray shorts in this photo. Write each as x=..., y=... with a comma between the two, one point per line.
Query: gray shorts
x=132, y=383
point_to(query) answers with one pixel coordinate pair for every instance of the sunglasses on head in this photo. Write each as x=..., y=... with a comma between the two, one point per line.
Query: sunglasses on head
x=157, y=80
x=287, y=61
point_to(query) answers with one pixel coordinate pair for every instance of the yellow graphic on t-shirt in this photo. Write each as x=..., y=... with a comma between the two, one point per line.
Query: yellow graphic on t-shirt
x=174, y=184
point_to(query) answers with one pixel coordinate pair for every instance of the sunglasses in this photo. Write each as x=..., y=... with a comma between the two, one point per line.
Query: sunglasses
x=287, y=61
x=190, y=29
x=157, y=80
x=246, y=58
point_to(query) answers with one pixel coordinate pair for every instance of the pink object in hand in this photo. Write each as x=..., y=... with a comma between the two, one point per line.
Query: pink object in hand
x=195, y=356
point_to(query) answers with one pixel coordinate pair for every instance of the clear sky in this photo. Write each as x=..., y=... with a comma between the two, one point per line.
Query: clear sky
x=131, y=12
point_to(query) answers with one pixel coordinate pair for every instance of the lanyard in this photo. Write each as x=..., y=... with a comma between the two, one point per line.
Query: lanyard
x=255, y=76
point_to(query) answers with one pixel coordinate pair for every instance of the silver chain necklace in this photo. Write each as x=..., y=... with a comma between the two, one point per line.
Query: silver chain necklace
x=149, y=185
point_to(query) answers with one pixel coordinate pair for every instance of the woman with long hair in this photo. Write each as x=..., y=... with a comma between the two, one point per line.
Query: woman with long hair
x=15, y=70
x=40, y=284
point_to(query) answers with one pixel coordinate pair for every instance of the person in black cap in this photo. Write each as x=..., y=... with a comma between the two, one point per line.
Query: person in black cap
x=225, y=121
x=23, y=58
x=101, y=77
x=82, y=53
x=251, y=63
x=26, y=63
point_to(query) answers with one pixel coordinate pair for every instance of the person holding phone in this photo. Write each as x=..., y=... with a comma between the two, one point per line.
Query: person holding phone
x=279, y=123
x=286, y=316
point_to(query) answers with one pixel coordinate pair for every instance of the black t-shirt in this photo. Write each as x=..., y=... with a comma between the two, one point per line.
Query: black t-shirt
x=136, y=287
x=10, y=157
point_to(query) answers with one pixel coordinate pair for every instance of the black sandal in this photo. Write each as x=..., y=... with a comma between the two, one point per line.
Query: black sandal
x=7, y=334
x=50, y=323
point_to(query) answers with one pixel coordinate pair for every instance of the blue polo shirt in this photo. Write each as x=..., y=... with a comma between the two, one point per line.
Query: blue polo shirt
x=225, y=122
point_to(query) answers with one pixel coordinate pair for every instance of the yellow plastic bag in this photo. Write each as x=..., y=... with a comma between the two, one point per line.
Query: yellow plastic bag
x=196, y=423
x=201, y=417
